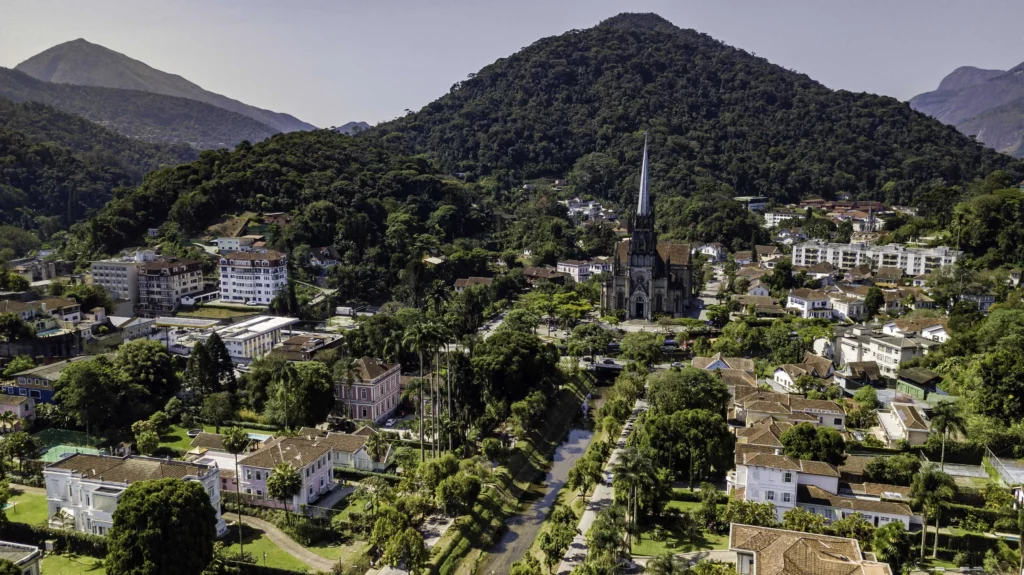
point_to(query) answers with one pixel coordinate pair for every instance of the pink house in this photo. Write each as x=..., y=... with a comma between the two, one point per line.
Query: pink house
x=375, y=393
x=310, y=456
x=20, y=405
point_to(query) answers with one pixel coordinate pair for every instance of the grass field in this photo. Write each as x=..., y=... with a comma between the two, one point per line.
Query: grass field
x=676, y=542
x=350, y=504
x=71, y=565
x=177, y=436
x=347, y=552
x=29, y=508
x=257, y=543
x=217, y=313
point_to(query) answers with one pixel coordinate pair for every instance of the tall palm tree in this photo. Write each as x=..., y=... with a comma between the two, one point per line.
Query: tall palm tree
x=377, y=446
x=633, y=471
x=346, y=370
x=283, y=484
x=236, y=441
x=285, y=375
x=947, y=418
x=929, y=490
x=416, y=339
x=8, y=420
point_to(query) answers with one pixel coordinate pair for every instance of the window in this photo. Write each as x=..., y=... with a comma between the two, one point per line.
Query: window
x=838, y=421
x=786, y=497
x=788, y=477
x=259, y=476
x=769, y=495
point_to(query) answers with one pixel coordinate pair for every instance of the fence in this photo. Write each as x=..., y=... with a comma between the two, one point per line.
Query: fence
x=1010, y=471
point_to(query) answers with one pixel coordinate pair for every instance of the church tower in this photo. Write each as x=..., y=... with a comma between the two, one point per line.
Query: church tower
x=643, y=248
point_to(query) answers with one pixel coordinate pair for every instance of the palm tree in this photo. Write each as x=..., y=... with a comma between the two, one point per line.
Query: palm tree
x=283, y=484
x=633, y=471
x=285, y=375
x=667, y=564
x=377, y=446
x=236, y=441
x=929, y=490
x=63, y=518
x=417, y=339
x=947, y=417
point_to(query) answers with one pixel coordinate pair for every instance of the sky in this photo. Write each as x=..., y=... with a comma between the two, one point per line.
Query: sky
x=332, y=62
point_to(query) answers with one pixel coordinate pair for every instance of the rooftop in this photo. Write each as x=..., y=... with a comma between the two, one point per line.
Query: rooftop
x=17, y=553
x=783, y=552
x=256, y=326
x=127, y=469
x=298, y=451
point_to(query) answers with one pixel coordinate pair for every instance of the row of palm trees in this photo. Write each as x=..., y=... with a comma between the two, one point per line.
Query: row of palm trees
x=428, y=339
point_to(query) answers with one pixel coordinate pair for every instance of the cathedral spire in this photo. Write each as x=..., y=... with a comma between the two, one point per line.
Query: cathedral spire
x=643, y=207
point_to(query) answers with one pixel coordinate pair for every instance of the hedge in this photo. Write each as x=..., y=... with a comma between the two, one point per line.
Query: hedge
x=358, y=474
x=64, y=540
x=257, y=569
x=952, y=511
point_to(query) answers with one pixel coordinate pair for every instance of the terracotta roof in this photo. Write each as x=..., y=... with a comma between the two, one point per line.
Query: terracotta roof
x=808, y=294
x=11, y=306
x=269, y=255
x=310, y=432
x=674, y=254
x=917, y=324
x=885, y=273
x=864, y=368
x=815, y=495
x=346, y=442
x=754, y=300
x=365, y=431
x=732, y=362
x=818, y=468
x=370, y=368
x=751, y=272
x=205, y=440
x=767, y=432
x=855, y=464
x=911, y=416
x=821, y=268
x=766, y=250
x=158, y=265
x=820, y=366
x=787, y=403
x=744, y=255
x=7, y=399
x=738, y=378
x=541, y=273
x=782, y=552
x=744, y=450
x=57, y=303
x=298, y=451
x=473, y=281
x=128, y=469
x=773, y=461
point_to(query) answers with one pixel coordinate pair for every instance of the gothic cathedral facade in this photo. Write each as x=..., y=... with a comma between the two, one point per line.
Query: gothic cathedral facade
x=649, y=278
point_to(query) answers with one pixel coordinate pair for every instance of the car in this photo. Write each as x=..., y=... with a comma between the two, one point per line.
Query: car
x=608, y=361
x=677, y=364
x=588, y=359
x=252, y=303
x=390, y=423
x=193, y=433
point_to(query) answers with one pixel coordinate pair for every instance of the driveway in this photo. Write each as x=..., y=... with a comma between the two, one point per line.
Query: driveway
x=287, y=544
x=522, y=529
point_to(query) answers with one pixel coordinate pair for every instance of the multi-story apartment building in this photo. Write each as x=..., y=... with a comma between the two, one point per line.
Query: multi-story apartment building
x=237, y=244
x=89, y=487
x=119, y=278
x=163, y=282
x=913, y=261
x=38, y=382
x=252, y=338
x=776, y=217
x=374, y=394
x=254, y=277
x=857, y=343
x=310, y=456
x=581, y=271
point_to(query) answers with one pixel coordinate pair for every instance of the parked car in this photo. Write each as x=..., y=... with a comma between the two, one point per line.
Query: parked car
x=608, y=361
x=588, y=359
x=389, y=423
x=677, y=364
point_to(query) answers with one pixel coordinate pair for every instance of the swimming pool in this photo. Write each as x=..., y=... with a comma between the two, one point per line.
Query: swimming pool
x=261, y=437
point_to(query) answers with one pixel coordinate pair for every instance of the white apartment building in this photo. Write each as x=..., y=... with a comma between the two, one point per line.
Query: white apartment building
x=238, y=244
x=858, y=343
x=252, y=338
x=809, y=303
x=119, y=278
x=774, y=218
x=847, y=307
x=88, y=487
x=252, y=276
x=715, y=252
x=913, y=261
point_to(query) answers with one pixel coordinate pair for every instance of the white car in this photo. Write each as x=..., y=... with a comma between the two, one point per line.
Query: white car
x=390, y=423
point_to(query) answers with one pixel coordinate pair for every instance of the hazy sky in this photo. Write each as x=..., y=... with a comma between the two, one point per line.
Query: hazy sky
x=331, y=62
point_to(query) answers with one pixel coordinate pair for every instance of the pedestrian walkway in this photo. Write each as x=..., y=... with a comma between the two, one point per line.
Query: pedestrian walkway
x=287, y=544
x=601, y=499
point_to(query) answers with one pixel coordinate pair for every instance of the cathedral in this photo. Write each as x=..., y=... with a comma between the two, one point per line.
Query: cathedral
x=649, y=278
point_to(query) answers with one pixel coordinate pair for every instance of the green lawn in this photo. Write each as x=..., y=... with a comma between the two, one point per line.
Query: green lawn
x=71, y=565
x=257, y=543
x=675, y=542
x=29, y=508
x=218, y=312
x=344, y=551
x=350, y=504
x=177, y=436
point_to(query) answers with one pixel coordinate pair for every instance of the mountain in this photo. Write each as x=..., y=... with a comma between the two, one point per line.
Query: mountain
x=86, y=64
x=142, y=115
x=577, y=106
x=58, y=168
x=987, y=104
x=352, y=127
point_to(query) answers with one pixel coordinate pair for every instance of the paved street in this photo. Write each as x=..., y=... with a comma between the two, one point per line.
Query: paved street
x=601, y=499
x=523, y=528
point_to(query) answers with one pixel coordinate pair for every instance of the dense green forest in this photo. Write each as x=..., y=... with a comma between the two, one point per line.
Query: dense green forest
x=577, y=105
x=142, y=115
x=58, y=168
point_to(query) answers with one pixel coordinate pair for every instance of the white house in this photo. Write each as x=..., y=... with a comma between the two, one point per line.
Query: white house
x=858, y=343
x=715, y=252
x=817, y=367
x=758, y=405
x=904, y=422
x=87, y=488
x=349, y=451
x=758, y=289
x=744, y=258
x=809, y=303
x=934, y=329
x=252, y=338
x=847, y=307
x=236, y=244
x=776, y=217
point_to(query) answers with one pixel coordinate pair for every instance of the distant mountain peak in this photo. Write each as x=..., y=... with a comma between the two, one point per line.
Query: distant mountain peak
x=84, y=63
x=352, y=127
x=646, y=21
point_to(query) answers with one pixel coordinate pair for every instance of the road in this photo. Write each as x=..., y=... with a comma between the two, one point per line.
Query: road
x=523, y=528
x=600, y=500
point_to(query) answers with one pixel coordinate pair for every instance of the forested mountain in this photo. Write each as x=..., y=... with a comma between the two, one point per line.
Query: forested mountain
x=86, y=64
x=353, y=127
x=142, y=115
x=58, y=167
x=585, y=98
x=987, y=104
